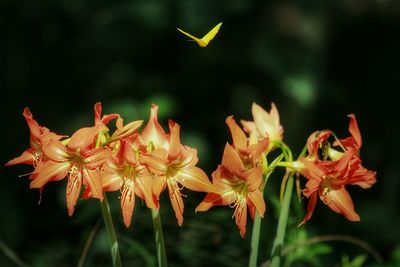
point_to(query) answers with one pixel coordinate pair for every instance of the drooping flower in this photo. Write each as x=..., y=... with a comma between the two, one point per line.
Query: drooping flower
x=123, y=171
x=265, y=124
x=328, y=176
x=78, y=158
x=173, y=165
x=237, y=187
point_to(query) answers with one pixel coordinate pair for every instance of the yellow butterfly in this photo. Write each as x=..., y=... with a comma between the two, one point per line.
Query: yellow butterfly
x=203, y=42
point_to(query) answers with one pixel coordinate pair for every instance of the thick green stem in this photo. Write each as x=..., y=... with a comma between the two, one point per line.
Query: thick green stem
x=282, y=223
x=159, y=237
x=112, y=237
x=255, y=239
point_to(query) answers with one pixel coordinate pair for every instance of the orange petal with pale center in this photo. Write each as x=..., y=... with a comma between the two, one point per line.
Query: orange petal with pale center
x=195, y=179
x=340, y=202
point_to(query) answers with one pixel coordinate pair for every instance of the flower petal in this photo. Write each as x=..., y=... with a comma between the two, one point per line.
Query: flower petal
x=73, y=191
x=128, y=202
x=92, y=179
x=159, y=185
x=176, y=200
x=153, y=132
x=253, y=178
x=238, y=136
x=144, y=186
x=231, y=160
x=50, y=171
x=257, y=200
x=95, y=158
x=267, y=123
x=85, y=138
x=363, y=178
x=195, y=179
x=240, y=215
x=174, y=141
x=27, y=157
x=210, y=200
x=155, y=161
x=340, y=201
x=249, y=126
x=34, y=128
x=111, y=181
x=354, y=130
x=310, y=208
x=56, y=151
x=127, y=130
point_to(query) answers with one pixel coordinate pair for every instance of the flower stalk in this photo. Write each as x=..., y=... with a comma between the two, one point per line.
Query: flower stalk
x=282, y=224
x=255, y=239
x=287, y=187
x=111, y=235
x=159, y=238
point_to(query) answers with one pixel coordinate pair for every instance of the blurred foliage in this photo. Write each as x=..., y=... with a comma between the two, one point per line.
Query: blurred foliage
x=356, y=262
x=317, y=60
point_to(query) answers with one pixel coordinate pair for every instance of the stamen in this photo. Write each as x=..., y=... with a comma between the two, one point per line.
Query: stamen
x=235, y=201
x=325, y=197
x=126, y=192
x=74, y=178
x=36, y=158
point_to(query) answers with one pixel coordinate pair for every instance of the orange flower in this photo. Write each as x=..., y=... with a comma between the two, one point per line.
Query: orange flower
x=328, y=177
x=39, y=136
x=237, y=187
x=173, y=165
x=124, y=172
x=265, y=124
x=79, y=160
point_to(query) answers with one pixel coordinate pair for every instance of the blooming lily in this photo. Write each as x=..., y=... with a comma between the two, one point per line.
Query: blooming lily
x=328, y=177
x=39, y=136
x=237, y=187
x=173, y=165
x=79, y=160
x=125, y=172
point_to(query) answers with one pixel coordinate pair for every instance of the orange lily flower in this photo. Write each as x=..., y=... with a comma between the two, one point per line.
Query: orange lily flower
x=79, y=160
x=328, y=177
x=265, y=123
x=237, y=187
x=39, y=136
x=125, y=172
x=173, y=165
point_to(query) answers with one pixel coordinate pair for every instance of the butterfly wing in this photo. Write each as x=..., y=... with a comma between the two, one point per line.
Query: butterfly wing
x=211, y=34
x=199, y=41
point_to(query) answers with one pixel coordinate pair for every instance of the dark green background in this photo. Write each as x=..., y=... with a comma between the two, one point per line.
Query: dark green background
x=317, y=60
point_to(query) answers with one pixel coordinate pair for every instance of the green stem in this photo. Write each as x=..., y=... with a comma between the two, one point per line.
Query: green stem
x=112, y=237
x=159, y=237
x=255, y=238
x=282, y=223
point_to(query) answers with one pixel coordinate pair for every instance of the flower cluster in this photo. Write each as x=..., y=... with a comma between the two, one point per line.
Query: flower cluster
x=145, y=164
x=140, y=165
x=238, y=180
